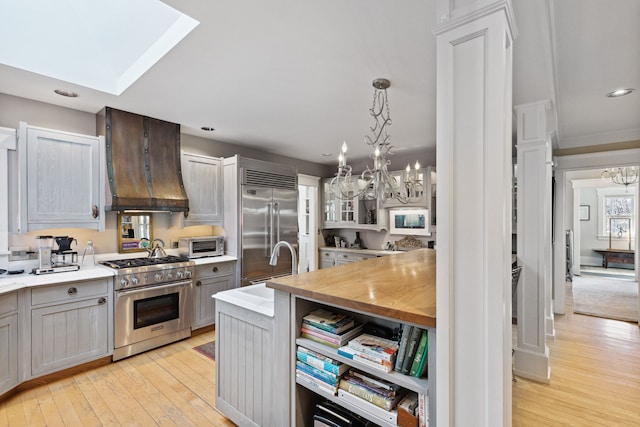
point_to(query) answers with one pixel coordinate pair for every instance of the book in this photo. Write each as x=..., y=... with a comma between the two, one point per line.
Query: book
x=315, y=383
x=421, y=355
x=402, y=349
x=321, y=362
x=423, y=410
x=385, y=402
x=388, y=416
x=412, y=346
x=335, y=323
x=342, y=338
x=376, y=346
x=318, y=339
x=367, y=359
x=371, y=383
x=327, y=377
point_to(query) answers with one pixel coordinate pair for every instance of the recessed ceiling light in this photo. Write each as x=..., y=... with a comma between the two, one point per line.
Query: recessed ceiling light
x=327, y=154
x=619, y=92
x=66, y=93
x=207, y=128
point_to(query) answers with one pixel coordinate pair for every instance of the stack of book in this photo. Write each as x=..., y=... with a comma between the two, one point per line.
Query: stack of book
x=331, y=329
x=375, y=352
x=374, y=395
x=412, y=353
x=318, y=371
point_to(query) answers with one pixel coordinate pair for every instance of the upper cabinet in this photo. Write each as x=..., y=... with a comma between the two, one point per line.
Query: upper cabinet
x=419, y=193
x=202, y=177
x=61, y=180
x=356, y=210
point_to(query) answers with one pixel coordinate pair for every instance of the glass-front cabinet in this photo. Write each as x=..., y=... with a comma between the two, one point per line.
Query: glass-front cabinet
x=338, y=210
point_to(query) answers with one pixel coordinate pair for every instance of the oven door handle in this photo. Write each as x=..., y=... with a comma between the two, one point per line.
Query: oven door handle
x=122, y=292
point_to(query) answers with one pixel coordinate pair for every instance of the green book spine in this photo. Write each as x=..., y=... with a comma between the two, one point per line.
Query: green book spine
x=412, y=346
x=420, y=354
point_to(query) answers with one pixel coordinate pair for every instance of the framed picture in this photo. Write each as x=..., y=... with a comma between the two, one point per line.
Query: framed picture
x=584, y=212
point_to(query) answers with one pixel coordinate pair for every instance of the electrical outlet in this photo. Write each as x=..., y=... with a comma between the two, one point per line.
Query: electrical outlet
x=174, y=244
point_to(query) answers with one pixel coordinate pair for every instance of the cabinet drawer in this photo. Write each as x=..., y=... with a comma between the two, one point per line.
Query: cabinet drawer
x=327, y=255
x=8, y=302
x=215, y=269
x=69, y=291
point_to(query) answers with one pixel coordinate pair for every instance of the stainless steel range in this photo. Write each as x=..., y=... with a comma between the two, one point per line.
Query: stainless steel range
x=153, y=303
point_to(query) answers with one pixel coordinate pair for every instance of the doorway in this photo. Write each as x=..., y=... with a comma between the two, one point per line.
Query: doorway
x=307, y=223
x=605, y=218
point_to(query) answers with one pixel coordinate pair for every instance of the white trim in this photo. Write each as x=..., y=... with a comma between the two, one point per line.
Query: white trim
x=8, y=138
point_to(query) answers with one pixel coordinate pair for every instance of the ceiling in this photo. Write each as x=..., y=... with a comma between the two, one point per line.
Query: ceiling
x=294, y=77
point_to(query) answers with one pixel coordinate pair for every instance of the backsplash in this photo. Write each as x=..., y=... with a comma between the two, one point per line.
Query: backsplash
x=107, y=241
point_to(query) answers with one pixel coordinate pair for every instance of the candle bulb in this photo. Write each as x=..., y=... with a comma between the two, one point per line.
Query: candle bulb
x=340, y=160
x=416, y=171
x=376, y=160
x=344, y=153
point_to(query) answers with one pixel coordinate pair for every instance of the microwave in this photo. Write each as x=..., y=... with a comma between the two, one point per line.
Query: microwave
x=413, y=221
x=198, y=247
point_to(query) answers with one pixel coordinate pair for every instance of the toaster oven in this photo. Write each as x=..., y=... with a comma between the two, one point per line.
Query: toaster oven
x=199, y=247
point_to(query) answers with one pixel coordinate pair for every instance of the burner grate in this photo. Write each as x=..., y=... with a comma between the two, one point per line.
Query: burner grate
x=143, y=262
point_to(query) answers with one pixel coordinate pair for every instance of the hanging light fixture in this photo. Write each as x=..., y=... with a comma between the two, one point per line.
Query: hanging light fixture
x=622, y=176
x=377, y=182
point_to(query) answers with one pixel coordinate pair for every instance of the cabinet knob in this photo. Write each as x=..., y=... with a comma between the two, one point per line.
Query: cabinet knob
x=102, y=301
x=72, y=291
x=215, y=269
x=198, y=283
x=94, y=211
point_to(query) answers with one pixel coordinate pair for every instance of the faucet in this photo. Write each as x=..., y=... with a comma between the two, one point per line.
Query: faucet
x=294, y=257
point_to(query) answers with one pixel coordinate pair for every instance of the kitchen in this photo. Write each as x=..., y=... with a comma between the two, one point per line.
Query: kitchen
x=49, y=119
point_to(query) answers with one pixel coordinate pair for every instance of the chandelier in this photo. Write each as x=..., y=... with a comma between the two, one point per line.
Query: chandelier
x=623, y=176
x=376, y=183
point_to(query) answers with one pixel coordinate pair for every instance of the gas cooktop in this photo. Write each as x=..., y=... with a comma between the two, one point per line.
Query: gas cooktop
x=144, y=262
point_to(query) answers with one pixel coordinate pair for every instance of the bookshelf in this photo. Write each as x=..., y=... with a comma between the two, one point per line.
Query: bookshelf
x=304, y=397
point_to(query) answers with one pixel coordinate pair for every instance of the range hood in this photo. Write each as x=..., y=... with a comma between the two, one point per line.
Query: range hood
x=143, y=162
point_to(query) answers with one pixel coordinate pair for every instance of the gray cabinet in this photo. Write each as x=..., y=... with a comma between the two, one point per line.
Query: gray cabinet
x=70, y=324
x=358, y=212
x=8, y=341
x=333, y=257
x=202, y=178
x=209, y=280
x=62, y=177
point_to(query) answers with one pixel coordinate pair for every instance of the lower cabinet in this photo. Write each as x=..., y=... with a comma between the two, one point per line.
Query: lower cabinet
x=209, y=280
x=69, y=324
x=8, y=341
x=333, y=257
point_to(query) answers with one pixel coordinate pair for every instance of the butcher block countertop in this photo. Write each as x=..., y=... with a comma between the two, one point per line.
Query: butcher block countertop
x=399, y=287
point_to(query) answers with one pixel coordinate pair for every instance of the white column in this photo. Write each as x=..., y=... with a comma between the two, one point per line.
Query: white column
x=474, y=116
x=7, y=142
x=535, y=315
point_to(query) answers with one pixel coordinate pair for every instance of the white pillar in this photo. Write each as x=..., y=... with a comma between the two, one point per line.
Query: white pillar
x=474, y=116
x=535, y=315
x=7, y=142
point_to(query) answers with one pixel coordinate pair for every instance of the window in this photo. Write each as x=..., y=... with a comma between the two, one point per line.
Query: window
x=616, y=211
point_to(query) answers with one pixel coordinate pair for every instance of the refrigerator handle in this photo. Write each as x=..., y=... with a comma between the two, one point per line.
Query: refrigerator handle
x=268, y=237
x=276, y=211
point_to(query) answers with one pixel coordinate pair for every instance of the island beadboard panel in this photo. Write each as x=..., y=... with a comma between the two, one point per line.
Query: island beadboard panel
x=401, y=287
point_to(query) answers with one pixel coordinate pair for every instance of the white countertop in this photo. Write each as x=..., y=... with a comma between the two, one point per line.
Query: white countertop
x=12, y=282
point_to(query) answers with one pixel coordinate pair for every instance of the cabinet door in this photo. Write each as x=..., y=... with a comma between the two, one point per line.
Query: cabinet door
x=202, y=178
x=8, y=352
x=330, y=205
x=67, y=334
x=61, y=175
x=204, y=305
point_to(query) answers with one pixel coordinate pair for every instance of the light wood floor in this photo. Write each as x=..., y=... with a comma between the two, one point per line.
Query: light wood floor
x=595, y=381
x=595, y=376
x=169, y=386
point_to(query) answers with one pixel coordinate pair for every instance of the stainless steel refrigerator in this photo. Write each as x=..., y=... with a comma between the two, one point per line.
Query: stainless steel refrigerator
x=269, y=207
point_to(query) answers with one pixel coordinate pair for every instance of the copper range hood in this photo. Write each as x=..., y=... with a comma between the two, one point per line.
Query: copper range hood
x=143, y=162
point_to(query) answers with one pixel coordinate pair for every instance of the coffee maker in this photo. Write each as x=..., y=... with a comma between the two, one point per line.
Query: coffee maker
x=55, y=260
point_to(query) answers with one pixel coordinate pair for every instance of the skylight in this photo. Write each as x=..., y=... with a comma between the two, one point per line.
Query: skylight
x=105, y=46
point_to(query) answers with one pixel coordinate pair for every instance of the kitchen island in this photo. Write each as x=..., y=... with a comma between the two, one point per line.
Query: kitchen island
x=388, y=291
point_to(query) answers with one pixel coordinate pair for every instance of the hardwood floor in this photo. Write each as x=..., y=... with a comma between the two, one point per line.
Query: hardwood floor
x=169, y=386
x=595, y=381
x=595, y=376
